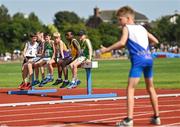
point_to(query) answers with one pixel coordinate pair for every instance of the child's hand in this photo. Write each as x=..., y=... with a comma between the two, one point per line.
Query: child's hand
x=88, y=61
x=103, y=49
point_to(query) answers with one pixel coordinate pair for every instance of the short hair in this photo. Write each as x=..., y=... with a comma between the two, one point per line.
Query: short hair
x=56, y=34
x=81, y=32
x=33, y=35
x=126, y=10
x=47, y=34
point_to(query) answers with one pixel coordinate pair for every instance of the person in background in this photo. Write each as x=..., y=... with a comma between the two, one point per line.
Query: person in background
x=85, y=56
x=29, y=52
x=48, y=58
x=63, y=58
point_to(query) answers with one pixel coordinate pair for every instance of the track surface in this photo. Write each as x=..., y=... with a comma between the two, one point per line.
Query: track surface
x=100, y=113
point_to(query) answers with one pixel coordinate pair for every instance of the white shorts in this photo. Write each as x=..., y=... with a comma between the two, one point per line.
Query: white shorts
x=46, y=59
x=36, y=59
x=81, y=59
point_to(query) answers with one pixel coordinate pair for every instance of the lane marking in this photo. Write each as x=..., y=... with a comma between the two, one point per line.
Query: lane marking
x=82, y=100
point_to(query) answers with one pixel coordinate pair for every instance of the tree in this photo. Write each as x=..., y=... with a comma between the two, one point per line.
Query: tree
x=4, y=16
x=109, y=33
x=64, y=17
x=177, y=30
x=52, y=28
x=164, y=30
x=95, y=38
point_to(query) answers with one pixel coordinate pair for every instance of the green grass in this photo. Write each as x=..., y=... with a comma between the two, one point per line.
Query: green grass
x=110, y=74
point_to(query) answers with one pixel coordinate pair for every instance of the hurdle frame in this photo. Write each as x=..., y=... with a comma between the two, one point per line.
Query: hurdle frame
x=42, y=92
x=88, y=67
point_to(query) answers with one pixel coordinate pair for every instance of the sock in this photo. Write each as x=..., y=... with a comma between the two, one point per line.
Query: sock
x=59, y=78
x=65, y=80
x=26, y=79
x=51, y=76
x=73, y=80
x=48, y=75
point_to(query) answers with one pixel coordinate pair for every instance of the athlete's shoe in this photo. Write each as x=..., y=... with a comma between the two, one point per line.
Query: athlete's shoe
x=64, y=84
x=41, y=84
x=46, y=80
x=27, y=86
x=77, y=83
x=58, y=81
x=35, y=82
x=156, y=120
x=127, y=122
x=21, y=85
x=73, y=84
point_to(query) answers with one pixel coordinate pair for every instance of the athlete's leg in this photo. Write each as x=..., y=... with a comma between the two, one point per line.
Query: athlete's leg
x=148, y=75
x=134, y=77
x=132, y=82
x=24, y=72
x=50, y=66
x=30, y=70
x=59, y=63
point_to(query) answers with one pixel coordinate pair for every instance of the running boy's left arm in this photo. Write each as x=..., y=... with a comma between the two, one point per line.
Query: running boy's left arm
x=152, y=39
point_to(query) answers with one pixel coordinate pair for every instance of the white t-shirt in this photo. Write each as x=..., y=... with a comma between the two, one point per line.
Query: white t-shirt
x=31, y=49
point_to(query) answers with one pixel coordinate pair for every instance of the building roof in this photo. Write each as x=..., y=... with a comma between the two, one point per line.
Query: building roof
x=107, y=15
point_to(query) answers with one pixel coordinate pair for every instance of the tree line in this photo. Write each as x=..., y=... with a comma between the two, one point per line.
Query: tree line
x=15, y=30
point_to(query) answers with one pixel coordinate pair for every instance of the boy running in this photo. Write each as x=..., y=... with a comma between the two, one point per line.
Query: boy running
x=136, y=38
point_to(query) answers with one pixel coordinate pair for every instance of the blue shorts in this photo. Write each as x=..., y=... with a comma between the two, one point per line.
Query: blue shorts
x=136, y=71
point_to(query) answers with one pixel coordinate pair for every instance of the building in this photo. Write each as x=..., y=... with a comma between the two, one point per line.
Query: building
x=173, y=18
x=109, y=17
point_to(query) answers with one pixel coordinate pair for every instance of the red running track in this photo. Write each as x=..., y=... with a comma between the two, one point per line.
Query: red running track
x=100, y=113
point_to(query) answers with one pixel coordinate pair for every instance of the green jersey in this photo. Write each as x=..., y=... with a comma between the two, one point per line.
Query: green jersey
x=48, y=49
x=85, y=49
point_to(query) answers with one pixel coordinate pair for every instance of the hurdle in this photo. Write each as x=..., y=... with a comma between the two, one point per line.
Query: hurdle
x=33, y=91
x=88, y=66
x=42, y=92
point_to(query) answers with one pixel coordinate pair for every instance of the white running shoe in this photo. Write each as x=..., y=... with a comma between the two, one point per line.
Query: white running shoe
x=127, y=122
x=156, y=120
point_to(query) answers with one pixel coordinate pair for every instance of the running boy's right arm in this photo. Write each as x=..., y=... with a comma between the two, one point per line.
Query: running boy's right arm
x=120, y=44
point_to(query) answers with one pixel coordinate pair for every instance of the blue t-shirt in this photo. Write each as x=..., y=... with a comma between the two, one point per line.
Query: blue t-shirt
x=138, y=46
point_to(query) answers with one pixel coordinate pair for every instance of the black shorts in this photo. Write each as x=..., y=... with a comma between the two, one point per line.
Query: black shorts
x=26, y=59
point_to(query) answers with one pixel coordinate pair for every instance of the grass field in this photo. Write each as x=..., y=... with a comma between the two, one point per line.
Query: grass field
x=110, y=74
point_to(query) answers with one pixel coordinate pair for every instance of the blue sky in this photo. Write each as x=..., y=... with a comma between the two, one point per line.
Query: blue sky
x=45, y=9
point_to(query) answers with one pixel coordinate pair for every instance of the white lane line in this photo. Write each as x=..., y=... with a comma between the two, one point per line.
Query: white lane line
x=82, y=105
x=62, y=108
x=30, y=109
x=82, y=116
x=136, y=114
x=172, y=124
x=82, y=100
x=56, y=112
x=62, y=117
x=120, y=104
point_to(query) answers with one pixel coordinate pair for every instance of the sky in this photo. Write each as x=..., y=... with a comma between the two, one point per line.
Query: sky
x=45, y=9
